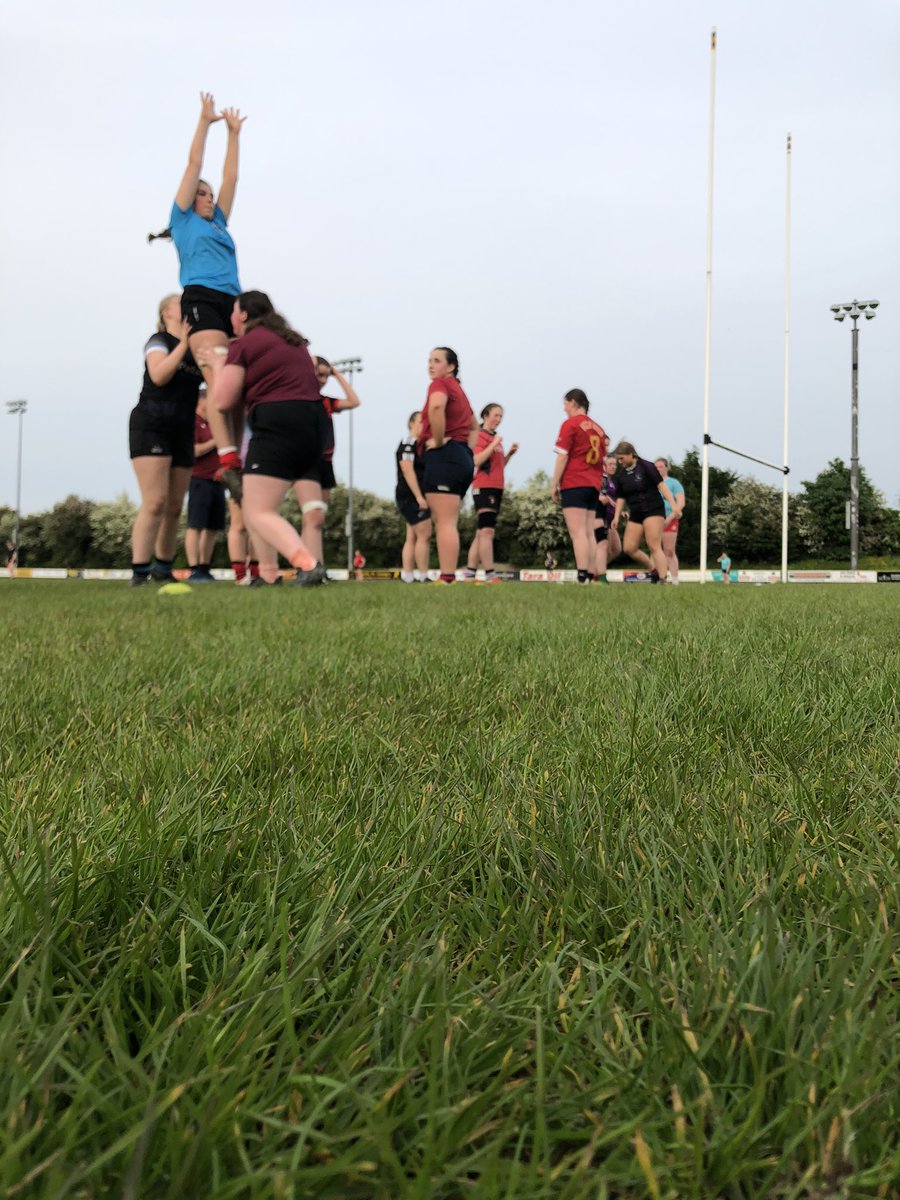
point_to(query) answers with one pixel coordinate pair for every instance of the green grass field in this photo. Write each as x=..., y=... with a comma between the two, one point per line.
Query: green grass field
x=384, y=891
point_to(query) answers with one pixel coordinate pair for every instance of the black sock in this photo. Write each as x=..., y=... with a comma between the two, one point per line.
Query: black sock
x=140, y=568
x=583, y=576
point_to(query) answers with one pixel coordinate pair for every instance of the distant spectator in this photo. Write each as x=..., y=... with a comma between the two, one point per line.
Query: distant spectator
x=12, y=559
x=359, y=561
x=549, y=561
x=724, y=562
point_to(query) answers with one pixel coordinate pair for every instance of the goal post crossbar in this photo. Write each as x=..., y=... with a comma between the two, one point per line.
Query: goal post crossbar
x=708, y=441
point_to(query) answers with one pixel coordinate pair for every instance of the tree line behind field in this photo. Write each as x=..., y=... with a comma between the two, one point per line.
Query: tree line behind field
x=745, y=520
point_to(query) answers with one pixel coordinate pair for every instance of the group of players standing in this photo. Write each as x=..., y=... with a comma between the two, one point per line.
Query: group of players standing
x=254, y=365
x=592, y=486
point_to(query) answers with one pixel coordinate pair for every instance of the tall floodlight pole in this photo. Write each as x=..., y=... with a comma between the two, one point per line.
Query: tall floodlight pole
x=854, y=310
x=704, y=488
x=349, y=367
x=787, y=358
x=19, y=407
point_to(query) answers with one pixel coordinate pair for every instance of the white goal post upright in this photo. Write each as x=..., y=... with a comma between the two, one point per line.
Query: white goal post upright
x=787, y=357
x=704, y=486
x=707, y=439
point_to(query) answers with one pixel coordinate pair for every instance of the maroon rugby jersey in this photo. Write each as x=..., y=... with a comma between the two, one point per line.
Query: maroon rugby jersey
x=207, y=464
x=458, y=414
x=274, y=370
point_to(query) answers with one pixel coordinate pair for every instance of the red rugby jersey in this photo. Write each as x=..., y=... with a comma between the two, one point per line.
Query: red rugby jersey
x=490, y=473
x=458, y=419
x=585, y=443
x=206, y=466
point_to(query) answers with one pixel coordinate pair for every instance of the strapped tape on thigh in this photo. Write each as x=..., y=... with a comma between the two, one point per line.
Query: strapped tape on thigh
x=313, y=506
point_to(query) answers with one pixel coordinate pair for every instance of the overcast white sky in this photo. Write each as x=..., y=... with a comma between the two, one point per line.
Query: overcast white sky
x=524, y=182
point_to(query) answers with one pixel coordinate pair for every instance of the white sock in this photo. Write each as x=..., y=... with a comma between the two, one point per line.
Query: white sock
x=407, y=577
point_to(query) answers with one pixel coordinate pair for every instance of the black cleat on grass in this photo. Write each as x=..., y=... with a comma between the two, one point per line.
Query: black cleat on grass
x=312, y=578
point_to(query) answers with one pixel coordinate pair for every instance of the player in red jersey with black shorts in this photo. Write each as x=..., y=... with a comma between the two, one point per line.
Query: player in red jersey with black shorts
x=578, y=477
x=487, y=490
x=449, y=431
x=269, y=368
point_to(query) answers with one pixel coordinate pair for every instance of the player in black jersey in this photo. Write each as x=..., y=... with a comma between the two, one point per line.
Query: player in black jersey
x=161, y=442
x=413, y=507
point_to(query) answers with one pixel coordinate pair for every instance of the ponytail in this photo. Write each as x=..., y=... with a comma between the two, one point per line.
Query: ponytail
x=163, y=233
x=260, y=311
x=452, y=360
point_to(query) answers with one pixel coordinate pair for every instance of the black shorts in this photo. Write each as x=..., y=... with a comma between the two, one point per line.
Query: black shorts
x=487, y=504
x=206, y=505
x=449, y=470
x=158, y=429
x=637, y=516
x=411, y=513
x=580, y=497
x=287, y=438
x=601, y=533
x=322, y=473
x=206, y=308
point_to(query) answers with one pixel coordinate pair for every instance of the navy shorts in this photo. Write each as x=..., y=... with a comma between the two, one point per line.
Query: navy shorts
x=287, y=438
x=580, y=497
x=411, y=513
x=206, y=505
x=158, y=429
x=449, y=470
x=206, y=308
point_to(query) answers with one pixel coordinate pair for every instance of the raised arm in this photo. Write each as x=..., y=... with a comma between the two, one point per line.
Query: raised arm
x=234, y=121
x=187, y=189
x=349, y=398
